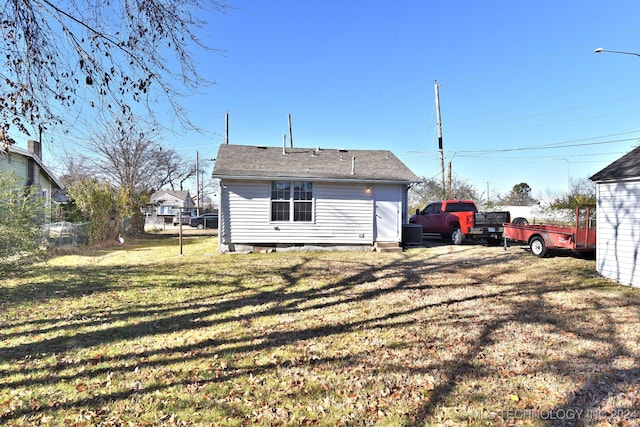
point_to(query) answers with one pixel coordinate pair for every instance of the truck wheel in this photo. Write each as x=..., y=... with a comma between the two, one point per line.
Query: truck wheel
x=520, y=220
x=538, y=247
x=457, y=237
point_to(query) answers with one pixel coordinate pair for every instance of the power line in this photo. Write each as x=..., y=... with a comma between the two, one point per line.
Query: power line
x=538, y=159
x=565, y=144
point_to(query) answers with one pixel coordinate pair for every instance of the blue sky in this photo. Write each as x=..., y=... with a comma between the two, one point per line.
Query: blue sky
x=523, y=96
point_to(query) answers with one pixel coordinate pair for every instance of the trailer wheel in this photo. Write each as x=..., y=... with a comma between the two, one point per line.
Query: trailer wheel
x=538, y=247
x=457, y=237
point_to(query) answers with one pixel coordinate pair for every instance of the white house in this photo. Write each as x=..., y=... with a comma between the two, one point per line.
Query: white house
x=168, y=203
x=279, y=198
x=618, y=220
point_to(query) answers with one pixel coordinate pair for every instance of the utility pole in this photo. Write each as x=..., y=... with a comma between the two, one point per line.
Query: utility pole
x=197, y=185
x=488, y=198
x=449, y=192
x=440, y=149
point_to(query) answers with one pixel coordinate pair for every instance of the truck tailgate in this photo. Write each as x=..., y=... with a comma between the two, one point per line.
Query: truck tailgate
x=492, y=218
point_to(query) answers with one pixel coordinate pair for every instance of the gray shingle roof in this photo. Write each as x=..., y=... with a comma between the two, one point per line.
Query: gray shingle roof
x=259, y=162
x=43, y=168
x=627, y=166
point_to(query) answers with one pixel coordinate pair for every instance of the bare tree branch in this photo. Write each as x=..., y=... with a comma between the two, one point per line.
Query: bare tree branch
x=61, y=57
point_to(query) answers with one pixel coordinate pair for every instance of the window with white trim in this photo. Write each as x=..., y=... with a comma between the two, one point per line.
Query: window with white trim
x=292, y=201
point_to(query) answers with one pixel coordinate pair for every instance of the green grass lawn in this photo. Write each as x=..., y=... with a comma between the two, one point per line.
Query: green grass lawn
x=467, y=335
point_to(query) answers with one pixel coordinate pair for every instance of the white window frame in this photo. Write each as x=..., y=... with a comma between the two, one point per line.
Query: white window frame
x=291, y=201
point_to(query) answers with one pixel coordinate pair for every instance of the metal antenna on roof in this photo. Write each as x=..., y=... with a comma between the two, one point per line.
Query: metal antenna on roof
x=226, y=128
x=290, y=133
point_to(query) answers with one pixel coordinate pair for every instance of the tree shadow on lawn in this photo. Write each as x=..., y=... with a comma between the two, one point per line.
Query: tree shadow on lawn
x=397, y=293
x=597, y=382
x=90, y=281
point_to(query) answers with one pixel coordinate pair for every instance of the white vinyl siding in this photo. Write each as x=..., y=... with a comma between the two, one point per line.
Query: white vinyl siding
x=342, y=214
x=249, y=202
x=618, y=231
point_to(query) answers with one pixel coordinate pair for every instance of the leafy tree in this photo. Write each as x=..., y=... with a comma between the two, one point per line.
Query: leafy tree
x=71, y=212
x=582, y=192
x=520, y=195
x=430, y=189
x=62, y=58
x=99, y=205
x=21, y=212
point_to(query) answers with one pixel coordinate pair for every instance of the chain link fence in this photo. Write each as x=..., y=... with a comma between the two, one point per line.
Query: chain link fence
x=59, y=234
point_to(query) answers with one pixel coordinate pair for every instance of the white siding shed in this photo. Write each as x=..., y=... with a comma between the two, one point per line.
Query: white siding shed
x=618, y=220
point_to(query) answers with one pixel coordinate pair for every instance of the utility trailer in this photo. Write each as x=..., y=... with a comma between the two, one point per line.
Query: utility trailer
x=580, y=237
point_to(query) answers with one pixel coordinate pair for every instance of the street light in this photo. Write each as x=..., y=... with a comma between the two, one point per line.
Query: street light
x=568, y=172
x=600, y=50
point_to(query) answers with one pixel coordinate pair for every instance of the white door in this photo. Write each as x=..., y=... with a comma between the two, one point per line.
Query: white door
x=387, y=199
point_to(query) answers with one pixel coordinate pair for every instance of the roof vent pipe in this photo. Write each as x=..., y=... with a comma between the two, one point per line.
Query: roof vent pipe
x=284, y=143
x=353, y=165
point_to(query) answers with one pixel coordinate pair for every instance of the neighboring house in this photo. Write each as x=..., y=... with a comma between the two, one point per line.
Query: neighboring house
x=28, y=165
x=276, y=198
x=618, y=220
x=170, y=202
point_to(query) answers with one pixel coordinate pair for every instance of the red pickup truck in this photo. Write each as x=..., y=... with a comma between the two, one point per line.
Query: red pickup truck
x=460, y=220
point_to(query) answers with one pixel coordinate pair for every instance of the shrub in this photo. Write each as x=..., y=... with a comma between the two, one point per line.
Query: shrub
x=21, y=213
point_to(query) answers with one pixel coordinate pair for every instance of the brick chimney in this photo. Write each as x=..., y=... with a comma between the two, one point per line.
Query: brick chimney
x=35, y=147
x=33, y=168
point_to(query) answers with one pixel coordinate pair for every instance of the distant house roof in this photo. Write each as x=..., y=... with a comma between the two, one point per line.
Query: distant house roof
x=43, y=168
x=627, y=166
x=180, y=195
x=266, y=163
